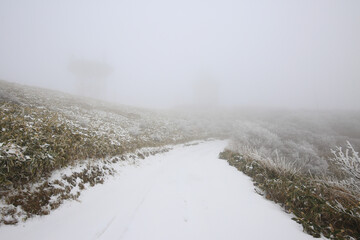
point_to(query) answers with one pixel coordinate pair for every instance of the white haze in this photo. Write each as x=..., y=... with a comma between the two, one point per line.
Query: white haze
x=158, y=53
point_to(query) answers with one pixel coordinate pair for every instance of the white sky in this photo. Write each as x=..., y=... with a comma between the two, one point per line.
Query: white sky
x=282, y=53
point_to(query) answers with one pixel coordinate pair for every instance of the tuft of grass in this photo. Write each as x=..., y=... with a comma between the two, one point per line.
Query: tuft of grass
x=322, y=208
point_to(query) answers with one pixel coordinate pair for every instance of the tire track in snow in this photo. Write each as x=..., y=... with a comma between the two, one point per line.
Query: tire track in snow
x=158, y=173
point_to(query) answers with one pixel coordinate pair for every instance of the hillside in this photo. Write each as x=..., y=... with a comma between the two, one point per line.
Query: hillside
x=43, y=131
x=55, y=145
x=56, y=128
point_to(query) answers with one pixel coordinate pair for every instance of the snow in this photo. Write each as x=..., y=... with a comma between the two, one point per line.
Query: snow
x=186, y=193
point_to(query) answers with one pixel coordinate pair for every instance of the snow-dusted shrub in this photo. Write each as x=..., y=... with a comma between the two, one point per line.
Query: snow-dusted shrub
x=349, y=161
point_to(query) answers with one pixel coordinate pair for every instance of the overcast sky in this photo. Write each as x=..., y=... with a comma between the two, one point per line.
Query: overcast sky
x=162, y=53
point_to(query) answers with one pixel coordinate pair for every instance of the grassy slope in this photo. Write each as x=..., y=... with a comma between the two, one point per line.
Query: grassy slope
x=43, y=131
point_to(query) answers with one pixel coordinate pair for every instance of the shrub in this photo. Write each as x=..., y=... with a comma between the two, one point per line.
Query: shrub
x=349, y=161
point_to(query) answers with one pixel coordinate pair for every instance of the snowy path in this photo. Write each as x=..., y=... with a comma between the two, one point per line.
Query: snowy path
x=187, y=193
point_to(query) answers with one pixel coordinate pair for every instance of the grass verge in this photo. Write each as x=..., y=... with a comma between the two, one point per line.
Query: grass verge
x=322, y=208
x=44, y=196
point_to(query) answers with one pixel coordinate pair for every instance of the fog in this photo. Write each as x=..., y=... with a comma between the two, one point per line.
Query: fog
x=301, y=54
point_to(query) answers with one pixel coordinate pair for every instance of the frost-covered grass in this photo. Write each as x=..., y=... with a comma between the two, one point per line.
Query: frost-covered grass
x=43, y=130
x=323, y=207
x=302, y=138
x=64, y=184
x=291, y=161
x=35, y=141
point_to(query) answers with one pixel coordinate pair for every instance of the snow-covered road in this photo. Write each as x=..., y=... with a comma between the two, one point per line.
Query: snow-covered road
x=187, y=193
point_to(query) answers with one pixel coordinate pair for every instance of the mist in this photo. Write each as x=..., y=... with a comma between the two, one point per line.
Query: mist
x=165, y=54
